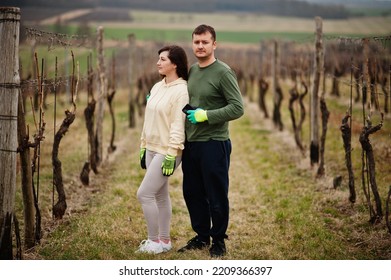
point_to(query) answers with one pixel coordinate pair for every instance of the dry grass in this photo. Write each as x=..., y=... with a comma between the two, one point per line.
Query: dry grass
x=278, y=209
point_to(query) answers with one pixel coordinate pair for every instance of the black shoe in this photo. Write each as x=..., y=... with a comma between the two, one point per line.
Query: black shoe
x=194, y=244
x=217, y=249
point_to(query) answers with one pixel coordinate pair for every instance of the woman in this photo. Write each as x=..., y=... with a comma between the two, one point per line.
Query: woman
x=162, y=142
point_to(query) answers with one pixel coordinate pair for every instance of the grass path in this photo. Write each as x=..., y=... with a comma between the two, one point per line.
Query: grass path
x=278, y=209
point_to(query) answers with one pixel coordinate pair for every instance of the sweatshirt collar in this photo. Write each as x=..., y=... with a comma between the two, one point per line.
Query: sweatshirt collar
x=176, y=82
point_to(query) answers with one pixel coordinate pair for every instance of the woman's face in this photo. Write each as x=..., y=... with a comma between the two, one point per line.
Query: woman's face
x=164, y=64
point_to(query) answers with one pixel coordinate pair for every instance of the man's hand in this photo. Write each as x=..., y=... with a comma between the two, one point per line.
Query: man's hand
x=197, y=116
x=142, y=158
x=168, y=165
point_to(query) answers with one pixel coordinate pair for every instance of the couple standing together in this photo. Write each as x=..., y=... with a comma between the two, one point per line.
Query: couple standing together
x=198, y=136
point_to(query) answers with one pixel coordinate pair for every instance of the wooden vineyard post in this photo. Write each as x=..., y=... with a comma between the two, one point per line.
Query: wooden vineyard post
x=325, y=114
x=110, y=97
x=131, y=81
x=263, y=86
x=9, y=90
x=26, y=178
x=102, y=97
x=314, y=148
x=277, y=92
x=274, y=70
x=368, y=169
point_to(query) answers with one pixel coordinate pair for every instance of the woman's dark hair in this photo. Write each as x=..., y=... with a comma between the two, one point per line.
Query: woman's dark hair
x=177, y=56
x=203, y=28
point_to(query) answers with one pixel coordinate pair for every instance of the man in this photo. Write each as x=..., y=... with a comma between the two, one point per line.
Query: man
x=215, y=97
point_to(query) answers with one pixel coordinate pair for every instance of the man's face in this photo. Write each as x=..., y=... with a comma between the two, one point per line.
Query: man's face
x=203, y=45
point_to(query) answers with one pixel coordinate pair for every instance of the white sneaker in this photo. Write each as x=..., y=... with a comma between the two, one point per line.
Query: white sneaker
x=166, y=246
x=150, y=247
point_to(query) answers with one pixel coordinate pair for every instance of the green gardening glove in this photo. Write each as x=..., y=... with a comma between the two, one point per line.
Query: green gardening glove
x=197, y=115
x=168, y=165
x=142, y=158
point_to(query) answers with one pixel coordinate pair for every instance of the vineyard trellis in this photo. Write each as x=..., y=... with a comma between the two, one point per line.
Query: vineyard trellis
x=373, y=72
x=36, y=90
x=371, y=65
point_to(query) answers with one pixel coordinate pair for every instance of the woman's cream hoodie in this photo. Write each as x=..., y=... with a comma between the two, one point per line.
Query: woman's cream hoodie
x=164, y=122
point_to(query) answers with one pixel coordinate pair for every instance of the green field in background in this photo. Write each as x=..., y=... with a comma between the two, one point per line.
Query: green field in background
x=180, y=35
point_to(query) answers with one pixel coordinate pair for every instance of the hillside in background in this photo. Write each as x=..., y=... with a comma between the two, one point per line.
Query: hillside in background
x=327, y=9
x=355, y=3
x=271, y=7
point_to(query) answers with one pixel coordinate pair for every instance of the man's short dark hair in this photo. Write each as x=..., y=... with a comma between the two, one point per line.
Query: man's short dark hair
x=203, y=28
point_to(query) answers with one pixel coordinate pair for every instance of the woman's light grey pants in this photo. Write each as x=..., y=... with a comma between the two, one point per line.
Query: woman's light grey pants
x=154, y=197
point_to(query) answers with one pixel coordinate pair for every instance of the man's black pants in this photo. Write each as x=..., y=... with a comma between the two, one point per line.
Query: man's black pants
x=205, y=167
